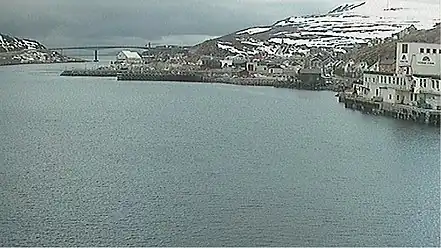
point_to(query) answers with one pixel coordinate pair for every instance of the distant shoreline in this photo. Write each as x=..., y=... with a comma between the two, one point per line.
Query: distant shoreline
x=41, y=63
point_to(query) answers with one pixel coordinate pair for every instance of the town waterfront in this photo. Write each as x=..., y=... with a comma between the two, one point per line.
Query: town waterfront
x=100, y=162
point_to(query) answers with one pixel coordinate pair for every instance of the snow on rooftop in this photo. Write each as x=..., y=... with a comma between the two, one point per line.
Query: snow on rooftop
x=131, y=55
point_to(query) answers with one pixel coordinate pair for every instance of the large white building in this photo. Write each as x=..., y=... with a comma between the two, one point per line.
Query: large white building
x=418, y=58
x=416, y=77
x=128, y=57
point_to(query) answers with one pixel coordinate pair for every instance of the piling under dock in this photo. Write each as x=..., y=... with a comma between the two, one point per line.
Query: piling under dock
x=431, y=117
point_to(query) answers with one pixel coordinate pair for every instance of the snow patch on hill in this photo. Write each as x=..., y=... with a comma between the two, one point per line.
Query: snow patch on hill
x=342, y=28
x=254, y=30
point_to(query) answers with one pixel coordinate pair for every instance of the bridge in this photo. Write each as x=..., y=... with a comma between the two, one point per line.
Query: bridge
x=98, y=47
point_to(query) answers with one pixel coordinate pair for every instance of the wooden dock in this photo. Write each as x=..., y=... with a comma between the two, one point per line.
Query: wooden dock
x=398, y=111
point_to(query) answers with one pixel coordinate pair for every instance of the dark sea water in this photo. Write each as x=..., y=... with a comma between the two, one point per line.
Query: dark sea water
x=92, y=161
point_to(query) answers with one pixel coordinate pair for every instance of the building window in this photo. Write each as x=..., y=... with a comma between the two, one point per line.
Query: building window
x=390, y=80
x=398, y=97
x=390, y=96
x=425, y=85
x=411, y=96
x=437, y=84
x=421, y=50
x=427, y=50
x=434, y=51
x=404, y=48
x=433, y=84
x=376, y=92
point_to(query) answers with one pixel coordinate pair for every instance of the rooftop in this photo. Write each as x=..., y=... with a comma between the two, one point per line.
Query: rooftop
x=131, y=55
x=310, y=71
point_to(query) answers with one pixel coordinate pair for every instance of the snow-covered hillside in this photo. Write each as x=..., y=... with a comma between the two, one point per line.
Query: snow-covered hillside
x=9, y=43
x=14, y=51
x=341, y=28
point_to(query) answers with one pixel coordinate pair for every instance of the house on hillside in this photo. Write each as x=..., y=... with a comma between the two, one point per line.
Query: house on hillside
x=319, y=60
x=383, y=65
x=404, y=32
x=128, y=57
x=275, y=69
x=209, y=62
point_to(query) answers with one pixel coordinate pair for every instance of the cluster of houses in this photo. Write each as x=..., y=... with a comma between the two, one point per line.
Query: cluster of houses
x=174, y=58
x=311, y=75
x=413, y=78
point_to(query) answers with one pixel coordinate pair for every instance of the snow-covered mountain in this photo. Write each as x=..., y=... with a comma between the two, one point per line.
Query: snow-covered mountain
x=341, y=28
x=9, y=44
x=15, y=51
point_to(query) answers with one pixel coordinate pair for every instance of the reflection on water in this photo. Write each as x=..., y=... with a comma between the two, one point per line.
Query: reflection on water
x=87, y=162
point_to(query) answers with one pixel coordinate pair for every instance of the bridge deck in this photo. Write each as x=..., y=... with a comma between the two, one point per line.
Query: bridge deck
x=97, y=47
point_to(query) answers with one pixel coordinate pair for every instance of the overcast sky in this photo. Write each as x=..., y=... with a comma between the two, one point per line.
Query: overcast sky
x=86, y=22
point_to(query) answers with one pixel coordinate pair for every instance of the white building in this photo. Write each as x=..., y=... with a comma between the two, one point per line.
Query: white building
x=418, y=58
x=400, y=89
x=416, y=78
x=226, y=63
x=128, y=57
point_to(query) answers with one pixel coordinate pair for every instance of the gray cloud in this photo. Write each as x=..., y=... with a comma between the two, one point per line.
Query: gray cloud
x=68, y=22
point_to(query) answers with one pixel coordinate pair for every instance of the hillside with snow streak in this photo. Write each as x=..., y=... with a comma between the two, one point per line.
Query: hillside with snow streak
x=12, y=44
x=16, y=51
x=340, y=29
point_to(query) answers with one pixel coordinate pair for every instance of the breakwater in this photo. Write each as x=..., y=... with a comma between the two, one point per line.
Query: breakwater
x=202, y=78
x=190, y=77
x=90, y=73
x=399, y=111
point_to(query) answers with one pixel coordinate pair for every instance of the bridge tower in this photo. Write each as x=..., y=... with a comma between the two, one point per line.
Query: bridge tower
x=96, y=56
